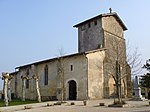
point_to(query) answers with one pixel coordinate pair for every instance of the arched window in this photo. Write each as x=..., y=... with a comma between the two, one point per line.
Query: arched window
x=27, y=80
x=46, y=75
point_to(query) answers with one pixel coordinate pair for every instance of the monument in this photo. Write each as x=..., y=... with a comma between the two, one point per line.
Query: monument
x=137, y=90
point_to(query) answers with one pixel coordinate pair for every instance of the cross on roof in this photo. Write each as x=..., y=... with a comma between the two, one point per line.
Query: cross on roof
x=110, y=10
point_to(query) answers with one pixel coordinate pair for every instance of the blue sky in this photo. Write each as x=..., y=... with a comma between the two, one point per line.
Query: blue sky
x=33, y=30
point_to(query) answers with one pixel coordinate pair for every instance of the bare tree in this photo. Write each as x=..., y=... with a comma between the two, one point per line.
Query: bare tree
x=9, y=89
x=61, y=70
x=36, y=78
x=5, y=77
x=116, y=64
x=134, y=60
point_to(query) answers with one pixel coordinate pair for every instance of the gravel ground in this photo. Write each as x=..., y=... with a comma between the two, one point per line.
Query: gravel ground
x=92, y=106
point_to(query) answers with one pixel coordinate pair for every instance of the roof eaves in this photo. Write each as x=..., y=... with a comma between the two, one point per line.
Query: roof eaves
x=52, y=59
x=13, y=73
x=77, y=25
x=104, y=15
x=101, y=49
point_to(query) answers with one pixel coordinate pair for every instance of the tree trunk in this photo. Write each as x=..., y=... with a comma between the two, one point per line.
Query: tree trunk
x=62, y=95
x=9, y=91
x=5, y=91
x=23, y=89
x=36, y=78
x=38, y=90
x=119, y=92
x=62, y=88
x=118, y=81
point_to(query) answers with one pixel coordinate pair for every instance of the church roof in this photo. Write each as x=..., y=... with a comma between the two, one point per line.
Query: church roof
x=52, y=59
x=13, y=73
x=104, y=15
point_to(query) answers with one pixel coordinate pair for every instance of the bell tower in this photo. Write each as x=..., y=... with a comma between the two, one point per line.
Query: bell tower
x=92, y=33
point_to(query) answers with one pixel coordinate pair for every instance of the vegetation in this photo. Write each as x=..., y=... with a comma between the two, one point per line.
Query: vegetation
x=145, y=79
x=17, y=102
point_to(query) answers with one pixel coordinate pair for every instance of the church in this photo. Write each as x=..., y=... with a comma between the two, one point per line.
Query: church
x=89, y=74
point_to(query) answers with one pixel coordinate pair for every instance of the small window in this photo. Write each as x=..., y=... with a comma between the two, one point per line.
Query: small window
x=95, y=22
x=59, y=91
x=46, y=75
x=89, y=25
x=83, y=28
x=27, y=80
x=71, y=67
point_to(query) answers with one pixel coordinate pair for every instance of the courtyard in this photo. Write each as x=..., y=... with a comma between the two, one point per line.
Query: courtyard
x=92, y=106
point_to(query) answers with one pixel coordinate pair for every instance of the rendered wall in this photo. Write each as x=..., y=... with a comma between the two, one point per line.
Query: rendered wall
x=95, y=74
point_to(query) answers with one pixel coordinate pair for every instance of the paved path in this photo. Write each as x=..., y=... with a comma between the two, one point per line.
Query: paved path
x=93, y=106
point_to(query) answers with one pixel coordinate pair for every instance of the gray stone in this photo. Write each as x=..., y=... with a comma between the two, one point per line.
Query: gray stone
x=137, y=90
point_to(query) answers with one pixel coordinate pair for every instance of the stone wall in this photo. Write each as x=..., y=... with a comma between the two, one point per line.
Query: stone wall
x=111, y=25
x=13, y=85
x=19, y=83
x=90, y=36
x=116, y=51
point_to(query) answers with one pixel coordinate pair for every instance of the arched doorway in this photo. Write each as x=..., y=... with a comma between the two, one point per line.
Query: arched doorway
x=72, y=90
x=111, y=87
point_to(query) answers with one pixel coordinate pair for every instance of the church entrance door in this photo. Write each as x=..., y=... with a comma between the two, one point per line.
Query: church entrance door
x=72, y=90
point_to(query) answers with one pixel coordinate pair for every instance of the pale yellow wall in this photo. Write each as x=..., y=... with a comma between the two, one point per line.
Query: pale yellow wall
x=79, y=75
x=50, y=89
x=95, y=74
x=111, y=86
x=110, y=24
